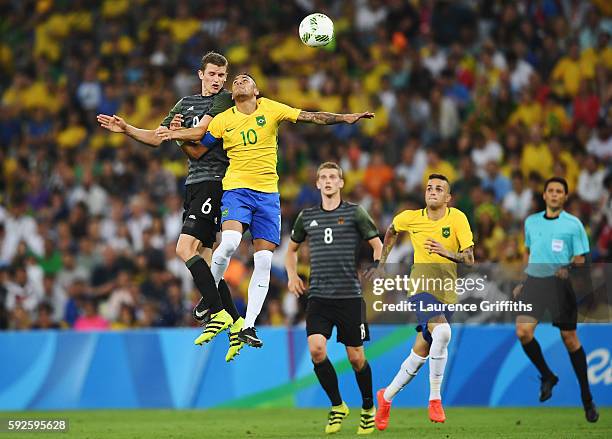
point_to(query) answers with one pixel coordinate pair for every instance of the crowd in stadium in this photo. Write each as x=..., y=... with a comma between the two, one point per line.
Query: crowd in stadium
x=498, y=96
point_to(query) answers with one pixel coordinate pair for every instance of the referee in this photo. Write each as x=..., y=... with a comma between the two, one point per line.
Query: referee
x=555, y=241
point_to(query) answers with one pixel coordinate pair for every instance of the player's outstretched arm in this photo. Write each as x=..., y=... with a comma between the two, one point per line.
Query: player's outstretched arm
x=465, y=256
x=193, y=134
x=324, y=118
x=117, y=124
x=295, y=284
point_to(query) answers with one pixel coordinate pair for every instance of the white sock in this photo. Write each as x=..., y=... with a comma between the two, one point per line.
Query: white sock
x=438, y=354
x=407, y=372
x=230, y=240
x=258, y=287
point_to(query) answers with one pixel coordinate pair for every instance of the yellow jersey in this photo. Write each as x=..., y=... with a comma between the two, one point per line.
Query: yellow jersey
x=251, y=143
x=452, y=231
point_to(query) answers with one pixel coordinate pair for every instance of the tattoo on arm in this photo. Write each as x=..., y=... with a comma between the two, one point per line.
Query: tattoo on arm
x=463, y=257
x=320, y=117
x=389, y=242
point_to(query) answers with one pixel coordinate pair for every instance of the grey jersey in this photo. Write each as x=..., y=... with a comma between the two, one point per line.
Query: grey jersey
x=212, y=165
x=334, y=238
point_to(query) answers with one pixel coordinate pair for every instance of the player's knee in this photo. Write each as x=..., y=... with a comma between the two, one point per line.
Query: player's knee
x=570, y=339
x=230, y=240
x=186, y=247
x=263, y=260
x=357, y=359
x=524, y=333
x=318, y=353
x=441, y=333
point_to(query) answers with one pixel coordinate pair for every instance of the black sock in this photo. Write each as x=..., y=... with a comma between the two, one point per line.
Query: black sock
x=579, y=362
x=364, y=381
x=329, y=380
x=226, y=299
x=534, y=352
x=204, y=280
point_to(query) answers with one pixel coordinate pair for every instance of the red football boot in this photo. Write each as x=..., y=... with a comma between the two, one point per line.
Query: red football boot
x=436, y=412
x=382, y=413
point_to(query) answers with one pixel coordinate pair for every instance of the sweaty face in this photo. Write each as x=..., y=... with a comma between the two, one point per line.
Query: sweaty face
x=437, y=193
x=213, y=78
x=329, y=182
x=555, y=196
x=244, y=86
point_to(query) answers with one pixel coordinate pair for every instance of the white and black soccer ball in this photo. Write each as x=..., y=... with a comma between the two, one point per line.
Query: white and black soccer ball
x=316, y=30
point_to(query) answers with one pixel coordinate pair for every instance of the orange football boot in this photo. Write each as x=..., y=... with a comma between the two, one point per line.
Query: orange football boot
x=436, y=412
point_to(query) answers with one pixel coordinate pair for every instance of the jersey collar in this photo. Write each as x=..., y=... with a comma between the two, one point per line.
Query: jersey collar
x=424, y=210
x=332, y=210
x=549, y=218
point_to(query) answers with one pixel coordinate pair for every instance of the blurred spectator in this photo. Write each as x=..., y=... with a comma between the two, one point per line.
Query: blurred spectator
x=139, y=221
x=536, y=155
x=586, y=105
x=19, y=227
x=485, y=150
x=494, y=180
x=124, y=292
x=90, y=319
x=45, y=318
x=377, y=175
x=518, y=201
x=174, y=308
x=590, y=181
x=90, y=193
x=435, y=165
x=462, y=188
x=126, y=319
x=600, y=144
x=412, y=165
x=22, y=292
x=568, y=73
x=55, y=297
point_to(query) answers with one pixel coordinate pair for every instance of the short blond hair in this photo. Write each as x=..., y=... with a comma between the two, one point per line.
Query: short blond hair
x=330, y=165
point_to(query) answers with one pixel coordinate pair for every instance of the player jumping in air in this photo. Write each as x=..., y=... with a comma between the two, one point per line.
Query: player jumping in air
x=557, y=243
x=251, y=199
x=335, y=230
x=201, y=218
x=441, y=238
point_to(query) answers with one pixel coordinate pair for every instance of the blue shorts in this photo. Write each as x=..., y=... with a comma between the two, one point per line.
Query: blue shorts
x=260, y=211
x=423, y=316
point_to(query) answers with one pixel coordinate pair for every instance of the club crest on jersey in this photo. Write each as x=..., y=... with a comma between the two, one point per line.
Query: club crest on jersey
x=261, y=120
x=340, y=220
x=446, y=232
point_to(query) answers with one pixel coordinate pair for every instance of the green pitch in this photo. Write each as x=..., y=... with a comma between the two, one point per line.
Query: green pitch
x=309, y=423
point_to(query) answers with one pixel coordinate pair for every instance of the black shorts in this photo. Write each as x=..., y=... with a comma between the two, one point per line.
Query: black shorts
x=202, y=215
x=553, y=295
x=347, y=315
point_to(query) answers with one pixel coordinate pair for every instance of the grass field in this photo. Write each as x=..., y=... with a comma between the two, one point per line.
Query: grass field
x=309, y=423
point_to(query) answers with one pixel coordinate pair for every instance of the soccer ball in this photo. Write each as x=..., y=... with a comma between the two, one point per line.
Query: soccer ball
x=316, y=30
